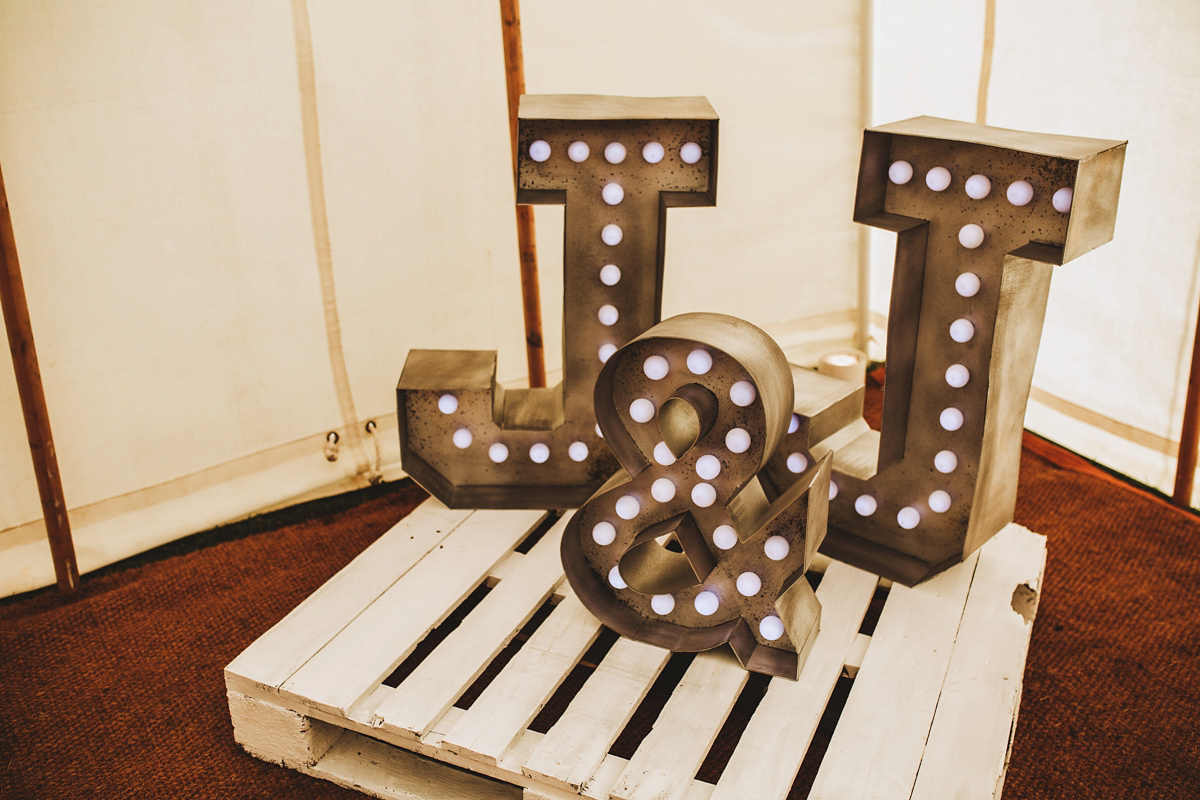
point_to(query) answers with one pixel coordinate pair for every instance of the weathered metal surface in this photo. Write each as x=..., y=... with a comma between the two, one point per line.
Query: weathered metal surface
x=689, y=524
x=941, y=477
x=562, y=417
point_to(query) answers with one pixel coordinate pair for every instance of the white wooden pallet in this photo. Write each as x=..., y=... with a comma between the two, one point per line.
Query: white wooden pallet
x=930, y=715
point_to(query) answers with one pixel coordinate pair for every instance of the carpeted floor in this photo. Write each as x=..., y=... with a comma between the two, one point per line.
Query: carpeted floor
x=118, y=692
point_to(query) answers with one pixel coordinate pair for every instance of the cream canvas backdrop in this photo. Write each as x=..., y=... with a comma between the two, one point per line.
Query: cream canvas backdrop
x=236, y=217
x=1112, y=371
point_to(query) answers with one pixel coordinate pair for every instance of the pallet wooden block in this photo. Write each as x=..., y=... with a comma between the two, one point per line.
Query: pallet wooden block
x=449, y=595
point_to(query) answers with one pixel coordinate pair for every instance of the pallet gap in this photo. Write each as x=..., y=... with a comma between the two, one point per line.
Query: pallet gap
x=807, y=773
x=652, y=704
x=871, y=618
x=436, y=636
x=538, y=532
x=574, y=681
x=735, y=725
x=505, y=655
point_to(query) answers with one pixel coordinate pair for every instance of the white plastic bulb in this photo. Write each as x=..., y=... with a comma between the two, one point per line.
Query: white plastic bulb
x=961, y=330
x=498, y=452
x=794, y=423
x=900, y=172
x=707, y=603
x=967, y=284
x=578, y=152
x=1062, y=199
x=704, y=495
x=865, y=505
x=945, y=462
x=1020, y=193
x=462, y=438
x=797, y=463
x=540, y=150
x=663, y=490
x=539, y=453
x=610, y=274
x=656, y=368
x=615, y=579
x=607, y=315
x=628, y=507
x=742, y=393
x=724, y=536
x=771, y=628
x=663, y=454
x=908, y=517
x=939, y=501
x=662, y=604
x=578, y=451
x=690, y=153
x=614, y=152
x=978, y=187
x=708, y=467
x=748, y=584
x=611, y=234
x=951, y=419
x=599, y=432
x=833, y=490
x=776, y=548
x=699, y=362
x=957, y=375
x=642, y=410
x=604, y=534
x=970, y=236
x=653, y=152
x=447, y=404
x=606, y=352
x=612, y=193
x=938, y=179
x=737, y=440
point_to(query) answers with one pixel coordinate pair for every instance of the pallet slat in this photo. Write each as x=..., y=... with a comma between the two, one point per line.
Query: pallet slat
x=966, y=755
x=667, y=759
x=876, y=749
x=503, y=710
x=442, y=677
x=764, y=763
x=574, y=747
x=283, y=649
x=363, y=653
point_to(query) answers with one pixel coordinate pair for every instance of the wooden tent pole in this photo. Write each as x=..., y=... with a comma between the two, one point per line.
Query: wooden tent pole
x=514, y=72
x=1189, y=437
x=33, y=403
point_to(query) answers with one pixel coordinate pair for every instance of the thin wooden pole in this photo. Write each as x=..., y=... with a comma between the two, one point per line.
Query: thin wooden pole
x=514, y=72
x=33, y=403
x=1185, y=469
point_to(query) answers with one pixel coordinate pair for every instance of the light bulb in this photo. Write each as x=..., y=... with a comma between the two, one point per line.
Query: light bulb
x=776, y=548
x=938, y=179
x=908, y=518
x=690, y=153
x=653, y=152
x=797, y=463
x=612, y=193
x=628, y=507
x=724, y=536
x=615, y=579
x=699, y=362
x=737, y=440
x=540, y=150
x=606, y=351
x=945, y=462
x=961, y=330
x=656, y=368
x=900, y=172
x=611, y=234
x=614, y=152
x=970, y=236
x=578, y=152
x=498, y=452
x=771, y=628
x=707, y=603
x=607, y=315
x=951, y=419
x=642, y=410
x=662, y=490
x=578, y=451
x=1020, y=193
x=1062, y=199
x=748, y=584
x=939, y=501
x=794, y=423
x=604, y=534
x=978, y=187
x=447, y=404
x=704, y=495
x=742, y=393
x=610, y=274
x=662, y=604
x=833, y=490
x=462, y=438
x=865, y=505
x=967, y=284
x=708, y=467
x=663, y=454
x=539, y=453
x=957, y=375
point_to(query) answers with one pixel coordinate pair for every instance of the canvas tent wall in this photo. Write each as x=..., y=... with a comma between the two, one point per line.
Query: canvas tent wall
x=235, y=219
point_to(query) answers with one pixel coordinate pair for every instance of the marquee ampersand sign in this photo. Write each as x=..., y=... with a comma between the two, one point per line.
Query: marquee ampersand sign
x=683, y=550
x=981, y=215
x=616, y=164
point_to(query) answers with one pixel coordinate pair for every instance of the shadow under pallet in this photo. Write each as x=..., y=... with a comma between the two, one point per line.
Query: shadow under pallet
x=451, y=660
